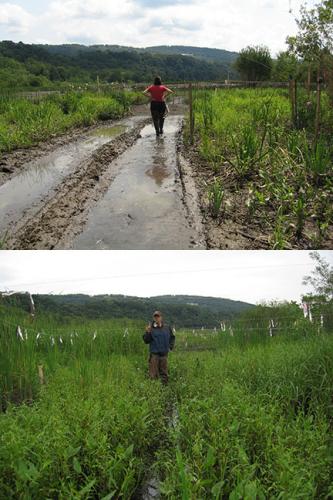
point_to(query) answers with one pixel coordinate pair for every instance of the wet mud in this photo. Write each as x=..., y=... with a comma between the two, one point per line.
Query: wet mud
x=27, y=189
x=61, y=212
x=116, y=186
x=15, y=162
x=143, y=207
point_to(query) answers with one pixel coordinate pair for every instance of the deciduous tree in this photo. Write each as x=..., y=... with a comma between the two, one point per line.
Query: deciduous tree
x=254, y=63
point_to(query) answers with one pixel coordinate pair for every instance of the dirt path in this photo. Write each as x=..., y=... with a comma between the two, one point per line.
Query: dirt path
x=117, y=186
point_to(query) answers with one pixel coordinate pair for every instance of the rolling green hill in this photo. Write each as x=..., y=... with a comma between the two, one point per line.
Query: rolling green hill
x=215, y=55
x=181, y=310
x=208, y=54
x=25, y=65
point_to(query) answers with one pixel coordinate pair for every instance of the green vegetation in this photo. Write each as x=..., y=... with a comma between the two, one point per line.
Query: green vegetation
x=181, y=310
x=274, y=177
x=24, y=122
x=253, y=423
x=254, y=63
x=31, y=66
x=247, y=413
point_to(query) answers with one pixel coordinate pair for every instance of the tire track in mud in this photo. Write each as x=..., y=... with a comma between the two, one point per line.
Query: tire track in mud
x=146, y=205
x=119, y=197
x=64, y=214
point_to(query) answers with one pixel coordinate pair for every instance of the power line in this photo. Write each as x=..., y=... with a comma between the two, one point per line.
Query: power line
x=160, y=273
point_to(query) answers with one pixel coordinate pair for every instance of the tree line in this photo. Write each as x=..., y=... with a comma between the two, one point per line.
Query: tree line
x=23, y=65
x=180, y=311
x=308, y=55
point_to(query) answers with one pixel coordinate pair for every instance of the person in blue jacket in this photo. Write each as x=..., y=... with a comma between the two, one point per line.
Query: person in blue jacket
x=161, y=340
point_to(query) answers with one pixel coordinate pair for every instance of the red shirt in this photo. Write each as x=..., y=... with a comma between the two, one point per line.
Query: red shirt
x=157, y=92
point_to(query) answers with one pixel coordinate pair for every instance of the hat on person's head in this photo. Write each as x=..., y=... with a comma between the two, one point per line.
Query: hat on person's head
x=157, y=313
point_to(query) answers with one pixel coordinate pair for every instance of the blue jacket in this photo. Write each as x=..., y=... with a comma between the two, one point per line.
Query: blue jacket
x=160, y=339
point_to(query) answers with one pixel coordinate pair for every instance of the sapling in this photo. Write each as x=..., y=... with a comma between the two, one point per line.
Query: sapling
x=216, y=195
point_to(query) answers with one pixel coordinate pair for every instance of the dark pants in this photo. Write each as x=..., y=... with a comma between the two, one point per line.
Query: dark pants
x=158, y=113
x=158, y=367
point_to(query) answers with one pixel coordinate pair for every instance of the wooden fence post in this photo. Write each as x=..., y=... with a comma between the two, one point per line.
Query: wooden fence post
x=309, y=80
x=41, y=374
x=317, y=120
x=191, y=113
x=293, y=100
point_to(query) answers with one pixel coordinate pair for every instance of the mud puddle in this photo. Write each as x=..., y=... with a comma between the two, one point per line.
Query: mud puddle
x=39, y=177
x=143, y=207
x=108, y=131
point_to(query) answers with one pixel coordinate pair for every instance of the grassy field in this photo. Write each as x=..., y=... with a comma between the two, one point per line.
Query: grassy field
x=261, y=170
x=24, y=122
x=240, y=418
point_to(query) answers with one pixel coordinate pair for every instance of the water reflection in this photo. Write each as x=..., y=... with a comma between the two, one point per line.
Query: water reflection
x=108, y=131
x=143, y=196
x=159, y=170
x=42, y=175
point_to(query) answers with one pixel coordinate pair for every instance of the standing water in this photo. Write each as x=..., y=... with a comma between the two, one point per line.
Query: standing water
x=143, y=208
x=41, y=176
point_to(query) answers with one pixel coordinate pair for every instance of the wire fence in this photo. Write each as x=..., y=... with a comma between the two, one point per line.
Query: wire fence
x=36, y=95
x=271, y=326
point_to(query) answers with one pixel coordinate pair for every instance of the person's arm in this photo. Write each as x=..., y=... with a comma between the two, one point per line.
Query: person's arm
x=172, y=340
x=166, y=92
x=147, y=92
x=147, y=336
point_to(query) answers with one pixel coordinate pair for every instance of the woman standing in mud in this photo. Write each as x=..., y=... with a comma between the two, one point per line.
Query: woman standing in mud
x=158, y=107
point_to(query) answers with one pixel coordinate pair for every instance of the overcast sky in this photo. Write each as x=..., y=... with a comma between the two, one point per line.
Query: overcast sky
x=221, y=24
x=251, y=276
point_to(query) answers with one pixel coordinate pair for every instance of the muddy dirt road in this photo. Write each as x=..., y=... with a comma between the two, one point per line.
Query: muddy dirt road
x=117, y=186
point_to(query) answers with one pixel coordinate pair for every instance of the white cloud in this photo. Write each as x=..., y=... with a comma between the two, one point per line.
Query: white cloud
x=212, y=23
x=92, y=9
x=14, y=19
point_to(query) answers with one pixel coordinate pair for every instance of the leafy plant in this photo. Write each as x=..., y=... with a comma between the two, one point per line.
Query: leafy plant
x=216, y=196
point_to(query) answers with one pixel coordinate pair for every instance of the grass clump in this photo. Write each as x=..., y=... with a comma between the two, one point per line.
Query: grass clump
x=24, y=123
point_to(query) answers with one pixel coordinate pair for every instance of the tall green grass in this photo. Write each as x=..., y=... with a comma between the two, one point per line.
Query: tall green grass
x=24, y=123
x=51, y=345
x=248, y=141
x=245, y=415
x=252, y=424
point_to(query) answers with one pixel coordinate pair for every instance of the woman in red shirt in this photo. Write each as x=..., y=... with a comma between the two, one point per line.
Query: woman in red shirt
x=158, y=108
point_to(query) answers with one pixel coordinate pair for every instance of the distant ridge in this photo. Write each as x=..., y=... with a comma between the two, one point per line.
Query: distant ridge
x=49, y=65
x=181, y=310
x=209, y=54
x=224, y=56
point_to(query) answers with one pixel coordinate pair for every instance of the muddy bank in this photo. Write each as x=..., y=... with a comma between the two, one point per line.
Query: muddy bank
x=65, y=212
x=228, y=232
x=12, y=163
x=131, y=193
x=235, y=229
